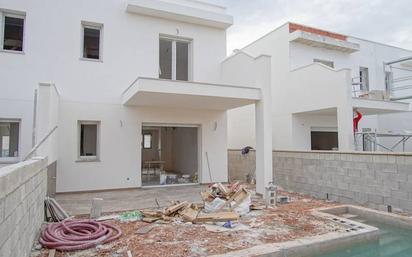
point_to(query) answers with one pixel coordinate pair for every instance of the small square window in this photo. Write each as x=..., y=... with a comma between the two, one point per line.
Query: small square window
x=92, y=41
x=13, y=32
x=147, y=141
x=9, y=139
x=89, y=140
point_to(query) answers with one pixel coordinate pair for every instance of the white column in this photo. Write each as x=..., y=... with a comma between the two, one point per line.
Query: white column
x=345, y=128
x=263, y=114
x=47, y=116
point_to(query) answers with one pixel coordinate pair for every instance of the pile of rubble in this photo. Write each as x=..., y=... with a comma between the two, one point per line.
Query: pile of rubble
x=220, y=204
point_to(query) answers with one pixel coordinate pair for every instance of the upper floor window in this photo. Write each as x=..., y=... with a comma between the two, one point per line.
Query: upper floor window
x=92, y=43
x=12, y=28
x=325, y=62
x=364, y=78
x=9, y=138
x=174, y=58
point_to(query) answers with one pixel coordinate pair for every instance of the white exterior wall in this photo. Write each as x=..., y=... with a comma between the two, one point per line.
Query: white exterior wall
x=91, y=90
x=287, y=59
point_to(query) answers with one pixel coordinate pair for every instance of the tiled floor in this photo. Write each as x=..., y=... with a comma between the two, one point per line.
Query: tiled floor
x=128, y=199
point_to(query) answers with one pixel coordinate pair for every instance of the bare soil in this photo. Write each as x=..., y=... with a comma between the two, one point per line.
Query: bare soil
x=284, y=223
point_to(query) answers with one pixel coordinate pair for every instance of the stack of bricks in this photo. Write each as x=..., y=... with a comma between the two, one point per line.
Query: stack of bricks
x=23, y=188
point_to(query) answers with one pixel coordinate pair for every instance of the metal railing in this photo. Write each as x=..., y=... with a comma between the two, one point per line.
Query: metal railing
x=398, y=78
x=39, y=144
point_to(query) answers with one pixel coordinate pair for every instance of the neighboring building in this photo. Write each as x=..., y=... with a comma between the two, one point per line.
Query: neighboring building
x=137, y=90
x=319, y=79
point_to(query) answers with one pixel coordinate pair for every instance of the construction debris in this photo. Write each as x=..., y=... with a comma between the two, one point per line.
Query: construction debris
x=221, y=203
x=96, y=210
x=130, y=216
x=53, y=211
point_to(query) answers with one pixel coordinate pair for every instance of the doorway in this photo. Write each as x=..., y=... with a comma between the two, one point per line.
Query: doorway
x=170, y=155
x=324, y=140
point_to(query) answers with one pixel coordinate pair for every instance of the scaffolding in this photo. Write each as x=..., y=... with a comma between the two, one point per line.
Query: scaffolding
x=369, y=141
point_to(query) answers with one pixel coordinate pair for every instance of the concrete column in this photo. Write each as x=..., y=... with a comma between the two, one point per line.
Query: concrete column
x=345, y=128
x=47, y=116
x=263, y=115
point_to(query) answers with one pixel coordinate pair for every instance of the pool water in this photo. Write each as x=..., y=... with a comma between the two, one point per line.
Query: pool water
x=393, y=242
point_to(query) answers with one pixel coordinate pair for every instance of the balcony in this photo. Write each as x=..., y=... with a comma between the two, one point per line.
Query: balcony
x=151, y=92
x=183, y=11
x=322, y=41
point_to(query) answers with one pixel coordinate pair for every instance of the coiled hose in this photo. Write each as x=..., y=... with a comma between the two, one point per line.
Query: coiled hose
x=73, y=235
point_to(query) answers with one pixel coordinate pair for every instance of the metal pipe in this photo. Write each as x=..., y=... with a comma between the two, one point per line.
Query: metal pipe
x=399, y=60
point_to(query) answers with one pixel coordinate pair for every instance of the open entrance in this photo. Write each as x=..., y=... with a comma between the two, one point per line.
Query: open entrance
x=324, y=139
x=170, y=155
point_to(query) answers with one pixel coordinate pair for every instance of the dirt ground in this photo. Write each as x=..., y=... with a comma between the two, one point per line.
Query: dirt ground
x=284, y=223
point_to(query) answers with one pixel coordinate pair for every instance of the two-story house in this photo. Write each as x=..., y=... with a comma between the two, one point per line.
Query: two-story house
x=320, y=79
x=123, y=94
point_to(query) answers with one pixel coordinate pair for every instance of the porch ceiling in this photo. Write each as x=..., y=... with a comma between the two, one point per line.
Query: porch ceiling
x=373, y=107
x=182, y=94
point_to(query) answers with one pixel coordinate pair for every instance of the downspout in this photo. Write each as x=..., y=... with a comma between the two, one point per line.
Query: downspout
x=33, y=142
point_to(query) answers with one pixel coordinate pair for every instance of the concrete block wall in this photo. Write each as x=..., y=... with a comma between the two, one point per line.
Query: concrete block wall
x=241, y=165
x=23, y=188
x=375, y=180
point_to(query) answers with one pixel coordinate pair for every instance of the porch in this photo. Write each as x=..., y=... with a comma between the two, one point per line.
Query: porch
x=128, y=199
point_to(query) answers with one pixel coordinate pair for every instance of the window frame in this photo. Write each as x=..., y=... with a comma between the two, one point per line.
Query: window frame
x=325, y=62
x=174, y=40
x=364, y=85
x=5, y=160
x=81, y=158
x=13, y=14
x=151, y=141
x=96, y=26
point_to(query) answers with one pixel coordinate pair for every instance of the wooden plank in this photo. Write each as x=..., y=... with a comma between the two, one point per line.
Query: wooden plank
x=222, y=189
x=174, y=208
x=235, y=197
x=150, y=219
x=189, y=214
x=52, y=252
x=151, y=213
x=218, y=216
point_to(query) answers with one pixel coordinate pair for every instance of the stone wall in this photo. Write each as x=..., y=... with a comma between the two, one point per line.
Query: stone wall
x=375, y=180
x=22, y=191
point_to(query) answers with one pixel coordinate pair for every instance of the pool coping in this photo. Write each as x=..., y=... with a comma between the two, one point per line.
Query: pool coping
x=357, y=233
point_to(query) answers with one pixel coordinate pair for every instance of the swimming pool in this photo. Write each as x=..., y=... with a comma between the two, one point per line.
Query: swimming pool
x=393, y=242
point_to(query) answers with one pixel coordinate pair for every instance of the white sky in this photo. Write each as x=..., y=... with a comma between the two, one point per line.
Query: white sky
x=385, y=21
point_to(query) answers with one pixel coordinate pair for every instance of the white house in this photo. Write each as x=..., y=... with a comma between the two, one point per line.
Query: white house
x=126, y=93
x=319, y=79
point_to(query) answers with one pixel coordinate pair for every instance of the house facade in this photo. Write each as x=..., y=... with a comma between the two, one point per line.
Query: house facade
x=319, y=80
x=124, y=94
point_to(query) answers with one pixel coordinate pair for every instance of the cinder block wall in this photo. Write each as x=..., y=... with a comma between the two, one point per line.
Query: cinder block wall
x=375, y=180
x=241, y=165
x=23, y=188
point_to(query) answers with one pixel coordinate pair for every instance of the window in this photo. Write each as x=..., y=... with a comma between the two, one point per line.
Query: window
x=9, y=139
x=147, y=141
x=364, y=78
x=92, y=34
x=12, y=31
x=324, y=62
x=174, y=59
x=388, y=80
x=89, y=140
